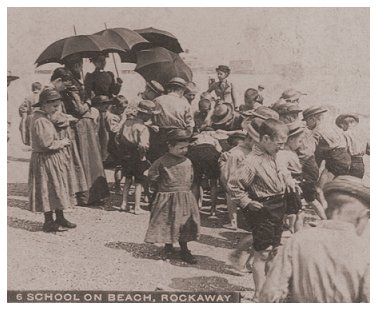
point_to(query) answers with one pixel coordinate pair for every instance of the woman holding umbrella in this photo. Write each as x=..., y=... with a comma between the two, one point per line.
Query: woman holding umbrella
x=86, y=133
x=100, y=86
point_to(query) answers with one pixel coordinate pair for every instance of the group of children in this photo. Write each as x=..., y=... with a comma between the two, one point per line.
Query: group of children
x=266, y=166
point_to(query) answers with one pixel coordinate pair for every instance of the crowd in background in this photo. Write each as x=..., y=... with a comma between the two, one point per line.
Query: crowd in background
x=271, y=160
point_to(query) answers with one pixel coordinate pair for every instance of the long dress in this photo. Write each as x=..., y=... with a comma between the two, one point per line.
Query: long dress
x=97, y=83
x=49, y=170
x=77, y=181
x=175, y=213
x=88, y=144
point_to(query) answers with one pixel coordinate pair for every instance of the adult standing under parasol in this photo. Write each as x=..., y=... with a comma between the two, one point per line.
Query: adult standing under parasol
x=76, y=105
x=101, y=86
x=70, y=51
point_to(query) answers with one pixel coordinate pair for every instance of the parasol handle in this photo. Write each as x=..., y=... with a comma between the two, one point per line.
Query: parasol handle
x=82, y=70
x=115, y=64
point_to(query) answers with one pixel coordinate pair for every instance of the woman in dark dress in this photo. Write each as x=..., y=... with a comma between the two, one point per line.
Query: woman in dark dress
x=86, y=134
x=101, y=87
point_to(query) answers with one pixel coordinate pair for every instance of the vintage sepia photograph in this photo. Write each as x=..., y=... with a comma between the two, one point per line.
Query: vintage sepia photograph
x=188, y=155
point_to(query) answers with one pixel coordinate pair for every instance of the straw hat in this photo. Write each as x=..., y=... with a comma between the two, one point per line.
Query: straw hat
x=292, y=94
x=312, y=111
x=339, y=120
x=147, y=107
x=48, y=94
x=222, y=113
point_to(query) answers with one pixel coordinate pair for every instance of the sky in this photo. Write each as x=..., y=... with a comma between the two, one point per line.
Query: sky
x=311, y=36
x=326, y=49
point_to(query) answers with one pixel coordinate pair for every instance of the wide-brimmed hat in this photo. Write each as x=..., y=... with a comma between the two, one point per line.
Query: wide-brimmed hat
x=295, y=128
x=223, y=68
x=101, y=99
x=339, y=120
x=261, y=112
x=291, y=94
x=250, y=126
x=313, y=111
x=178, y=82
x=179, y=134
x=191, y=88
x=251, y=94
x=222, y=113
x=287, y=108
x=11, y=77
x=238, y=135
x=147, y=107
x=348, y=185
x=48, y=94
x=156, y=87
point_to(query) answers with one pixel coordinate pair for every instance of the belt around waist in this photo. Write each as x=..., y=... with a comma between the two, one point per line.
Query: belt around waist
x=269, y=198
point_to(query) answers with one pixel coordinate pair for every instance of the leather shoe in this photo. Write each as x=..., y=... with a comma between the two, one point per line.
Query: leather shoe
x=65, y=223
x=167, y=254
x=188, y=258
x=50, y=227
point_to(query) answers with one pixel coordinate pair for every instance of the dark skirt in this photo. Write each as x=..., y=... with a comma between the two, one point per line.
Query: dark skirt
x=91, y=159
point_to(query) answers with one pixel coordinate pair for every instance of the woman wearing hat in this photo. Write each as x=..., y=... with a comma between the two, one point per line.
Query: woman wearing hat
x=85, y=130
x=49, y=169
x=133, y=140
x=223, y=88
x=101, y=87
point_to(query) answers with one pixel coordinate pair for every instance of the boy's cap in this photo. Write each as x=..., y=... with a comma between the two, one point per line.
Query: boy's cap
x=287, y=108
x=191, y=88
x=295, y=128
x=223, y=68
x=178, y=82
x=147, y=107
x=156, y=87
x=291, y=94
x=313, y=111
x=222, y=113
x=261, y=112
x=339, y=120
x=348, y=185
